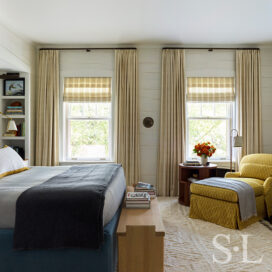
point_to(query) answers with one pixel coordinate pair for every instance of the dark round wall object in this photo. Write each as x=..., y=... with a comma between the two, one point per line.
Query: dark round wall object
x=148, y=122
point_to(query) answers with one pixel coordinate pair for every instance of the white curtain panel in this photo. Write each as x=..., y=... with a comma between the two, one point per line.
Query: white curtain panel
x=249, y=100
x=47, y=126
x=172, y=122
x=126, y=117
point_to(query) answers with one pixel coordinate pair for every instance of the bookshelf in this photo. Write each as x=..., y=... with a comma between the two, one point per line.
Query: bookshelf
x=22, y=141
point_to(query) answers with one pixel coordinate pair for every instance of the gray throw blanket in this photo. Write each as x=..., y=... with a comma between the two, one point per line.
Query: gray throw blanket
x=65, y=211
x=246, y=195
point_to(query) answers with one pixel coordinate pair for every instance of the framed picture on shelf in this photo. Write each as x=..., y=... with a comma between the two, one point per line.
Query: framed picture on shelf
x=14, y=87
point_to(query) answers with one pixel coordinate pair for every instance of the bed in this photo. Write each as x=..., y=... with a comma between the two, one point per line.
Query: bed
x=102, y=259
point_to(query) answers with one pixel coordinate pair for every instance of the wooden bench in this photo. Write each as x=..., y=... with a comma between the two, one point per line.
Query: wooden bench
x=140, y=235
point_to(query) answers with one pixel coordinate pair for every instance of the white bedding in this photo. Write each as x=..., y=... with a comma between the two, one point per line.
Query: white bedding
x=12, y=186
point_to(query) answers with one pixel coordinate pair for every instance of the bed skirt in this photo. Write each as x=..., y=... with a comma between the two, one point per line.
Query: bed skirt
x=103, y=259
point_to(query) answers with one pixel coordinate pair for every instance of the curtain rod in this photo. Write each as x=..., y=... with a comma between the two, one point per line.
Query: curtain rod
x=211, y=48
x=88, y=49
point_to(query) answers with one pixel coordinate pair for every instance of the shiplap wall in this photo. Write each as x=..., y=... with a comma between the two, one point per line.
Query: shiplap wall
x=149, y=105
x=197, y=62
x=266, y=87
x=204, y=63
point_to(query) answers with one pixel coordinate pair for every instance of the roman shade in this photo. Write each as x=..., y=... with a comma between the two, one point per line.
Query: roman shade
x=210, y=89
x=87, y=89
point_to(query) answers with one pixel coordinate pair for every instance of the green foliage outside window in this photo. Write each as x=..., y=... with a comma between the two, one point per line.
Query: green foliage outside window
x=214, y=131
x=89, y=130
x=87, y=133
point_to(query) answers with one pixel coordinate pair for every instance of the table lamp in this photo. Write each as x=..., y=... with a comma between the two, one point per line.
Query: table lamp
x=11, y=127
x=235, y=141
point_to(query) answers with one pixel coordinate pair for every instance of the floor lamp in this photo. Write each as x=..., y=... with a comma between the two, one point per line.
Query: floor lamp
x=235, y=141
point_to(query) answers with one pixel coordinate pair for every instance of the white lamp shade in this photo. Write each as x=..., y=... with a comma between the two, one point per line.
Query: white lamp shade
x=238, y=141
x=11, y=126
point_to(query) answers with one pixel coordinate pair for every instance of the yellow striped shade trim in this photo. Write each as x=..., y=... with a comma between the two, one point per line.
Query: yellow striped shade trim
x=87, y=89
x=210, y=89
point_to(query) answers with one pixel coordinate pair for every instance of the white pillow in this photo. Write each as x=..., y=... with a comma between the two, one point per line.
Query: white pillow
x=10, y=162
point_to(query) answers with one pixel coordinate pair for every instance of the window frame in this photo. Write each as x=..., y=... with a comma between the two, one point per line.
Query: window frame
x=63, y=128
x=231, y=124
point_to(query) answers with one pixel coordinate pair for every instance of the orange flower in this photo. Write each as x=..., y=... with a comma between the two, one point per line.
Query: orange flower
x=204, y=148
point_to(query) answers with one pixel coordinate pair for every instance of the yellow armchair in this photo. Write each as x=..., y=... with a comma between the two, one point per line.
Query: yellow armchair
x=232, y=175
x=221, y=206
x=256, y=170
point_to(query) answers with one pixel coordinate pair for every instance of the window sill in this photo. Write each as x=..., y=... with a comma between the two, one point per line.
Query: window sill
x=223, y=163
x=72, y=162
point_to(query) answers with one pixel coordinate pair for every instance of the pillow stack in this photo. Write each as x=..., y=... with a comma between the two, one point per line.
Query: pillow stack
x=10, y=162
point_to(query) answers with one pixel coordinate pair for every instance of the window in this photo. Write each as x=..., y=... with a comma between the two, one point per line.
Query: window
x=209, y=114
x=88, y=119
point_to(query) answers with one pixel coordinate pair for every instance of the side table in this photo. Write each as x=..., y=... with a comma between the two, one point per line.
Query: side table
x=196, y=172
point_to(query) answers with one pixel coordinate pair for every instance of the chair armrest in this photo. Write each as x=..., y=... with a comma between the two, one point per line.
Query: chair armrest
x=232, y=175
x=268, y=185
x=268, y=197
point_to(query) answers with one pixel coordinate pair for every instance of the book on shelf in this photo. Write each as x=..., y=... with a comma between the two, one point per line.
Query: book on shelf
x=17, y=112
x=19, y=129
x=9, y=135
x=14, y=107
x=145, y=187
x=23, y=129
x=14, y=110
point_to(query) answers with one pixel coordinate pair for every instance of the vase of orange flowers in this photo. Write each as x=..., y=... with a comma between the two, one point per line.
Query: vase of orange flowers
x=204, y=151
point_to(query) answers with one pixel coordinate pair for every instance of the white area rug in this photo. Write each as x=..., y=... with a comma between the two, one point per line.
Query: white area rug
x=189, y=243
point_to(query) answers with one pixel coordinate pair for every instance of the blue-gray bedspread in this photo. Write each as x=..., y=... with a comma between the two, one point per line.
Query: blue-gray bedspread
x=66, y=211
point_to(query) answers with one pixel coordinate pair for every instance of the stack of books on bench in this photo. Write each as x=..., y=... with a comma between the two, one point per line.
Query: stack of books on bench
x=138, y=200
x=145, y=187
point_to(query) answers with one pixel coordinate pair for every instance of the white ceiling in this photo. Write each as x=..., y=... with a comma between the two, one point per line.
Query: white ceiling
x=139, y=21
